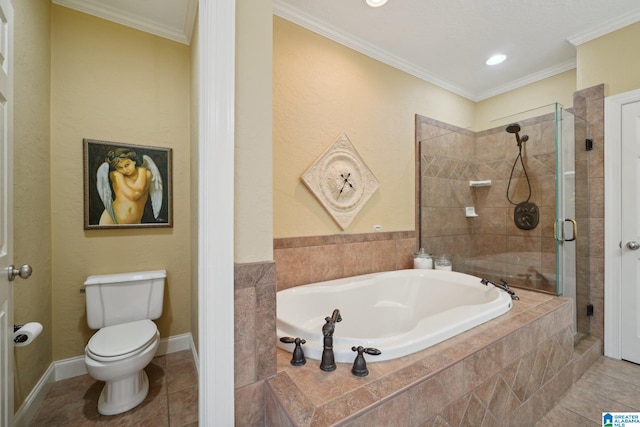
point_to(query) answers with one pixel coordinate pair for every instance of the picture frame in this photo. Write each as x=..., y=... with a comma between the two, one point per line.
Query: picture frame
x=117, y=195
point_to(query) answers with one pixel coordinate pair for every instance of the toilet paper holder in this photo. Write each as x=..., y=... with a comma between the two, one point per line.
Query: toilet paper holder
x=19, y=338
x=25, y=334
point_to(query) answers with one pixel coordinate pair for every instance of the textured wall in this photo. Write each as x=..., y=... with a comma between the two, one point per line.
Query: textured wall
x=253, y=194
x=607, y=60
x=322, y=89
x=505, y=108
x=32, y=204
x=113, y=83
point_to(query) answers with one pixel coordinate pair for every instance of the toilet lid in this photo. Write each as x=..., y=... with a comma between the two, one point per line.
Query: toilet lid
x=120, y=339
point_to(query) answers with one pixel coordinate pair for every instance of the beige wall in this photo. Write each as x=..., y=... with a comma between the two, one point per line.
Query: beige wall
x=114, y=83
x=32, y=210
x=611, y=59
x=322, y=89
x=532, y=100
x=253, y=229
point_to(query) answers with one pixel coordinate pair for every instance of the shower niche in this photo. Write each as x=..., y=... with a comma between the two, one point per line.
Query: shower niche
x=538, y=185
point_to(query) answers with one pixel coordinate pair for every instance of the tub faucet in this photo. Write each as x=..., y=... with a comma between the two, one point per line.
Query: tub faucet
x=328, y=362
x=504, y=286
x=330, y=325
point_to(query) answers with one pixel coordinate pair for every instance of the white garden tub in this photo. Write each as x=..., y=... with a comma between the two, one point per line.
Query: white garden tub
x=397, y=312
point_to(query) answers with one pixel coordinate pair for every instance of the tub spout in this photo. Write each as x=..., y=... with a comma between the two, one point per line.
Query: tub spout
x=335, y=316
x=328, y=362
x=504, y=286
x=329, y=327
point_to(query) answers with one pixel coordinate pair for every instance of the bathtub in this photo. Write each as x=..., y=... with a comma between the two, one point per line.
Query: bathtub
x=397, y=312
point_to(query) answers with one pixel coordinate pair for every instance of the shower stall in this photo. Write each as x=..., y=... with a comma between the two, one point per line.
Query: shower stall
x=526, y=179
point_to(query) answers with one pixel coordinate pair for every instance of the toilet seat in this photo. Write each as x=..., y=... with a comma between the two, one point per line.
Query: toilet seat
x=119, y=341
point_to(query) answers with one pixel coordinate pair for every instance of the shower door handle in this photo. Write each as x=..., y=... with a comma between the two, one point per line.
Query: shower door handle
x=562, y=238
x=574, y=225
x=633, y=245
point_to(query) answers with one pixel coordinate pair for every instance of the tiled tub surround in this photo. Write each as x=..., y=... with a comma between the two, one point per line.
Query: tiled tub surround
x=509, y=371
x=302, y=260
x=313, y=259
x=255, y=338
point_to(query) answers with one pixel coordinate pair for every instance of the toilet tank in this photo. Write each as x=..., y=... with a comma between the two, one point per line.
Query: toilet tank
x=113, y=299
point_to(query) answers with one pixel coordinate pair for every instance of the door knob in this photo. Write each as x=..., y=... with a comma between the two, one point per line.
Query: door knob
x=633, y=245
x=24, y=272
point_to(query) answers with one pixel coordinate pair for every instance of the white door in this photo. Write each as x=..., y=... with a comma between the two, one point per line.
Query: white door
x=630, y=232
x=6, y=215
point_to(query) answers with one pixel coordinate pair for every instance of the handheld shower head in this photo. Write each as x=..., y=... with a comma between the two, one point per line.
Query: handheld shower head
x=515, y=128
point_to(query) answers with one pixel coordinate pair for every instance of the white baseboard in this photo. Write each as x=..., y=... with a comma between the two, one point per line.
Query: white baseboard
x=30, y=406
x=73, y=367
x=174, y=344
x=194, y=352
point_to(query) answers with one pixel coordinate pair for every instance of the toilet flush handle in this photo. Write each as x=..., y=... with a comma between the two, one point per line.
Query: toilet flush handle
x=24, y=272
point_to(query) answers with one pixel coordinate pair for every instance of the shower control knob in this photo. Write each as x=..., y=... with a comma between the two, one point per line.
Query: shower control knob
x=633, y=245
x=24, y=272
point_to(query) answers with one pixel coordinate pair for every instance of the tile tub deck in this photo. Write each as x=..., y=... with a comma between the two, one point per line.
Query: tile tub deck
x=508, y=371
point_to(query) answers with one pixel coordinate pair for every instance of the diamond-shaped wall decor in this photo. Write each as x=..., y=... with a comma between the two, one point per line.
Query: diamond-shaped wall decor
x=341, y=181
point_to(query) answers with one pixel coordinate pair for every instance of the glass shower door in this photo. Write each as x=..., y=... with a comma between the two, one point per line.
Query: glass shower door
x=572, y=213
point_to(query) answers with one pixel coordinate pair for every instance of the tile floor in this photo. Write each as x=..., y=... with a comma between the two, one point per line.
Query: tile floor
x=172, y=399
x=608, y=386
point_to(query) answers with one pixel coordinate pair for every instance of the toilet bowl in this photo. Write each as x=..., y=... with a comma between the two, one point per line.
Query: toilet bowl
x=118, y=355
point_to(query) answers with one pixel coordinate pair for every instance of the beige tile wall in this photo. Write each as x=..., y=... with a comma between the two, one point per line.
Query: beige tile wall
x=255, y=335
x=303, y=260
x=490, y=244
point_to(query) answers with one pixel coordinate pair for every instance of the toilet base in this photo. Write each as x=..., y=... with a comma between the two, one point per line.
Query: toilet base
x=123, y=394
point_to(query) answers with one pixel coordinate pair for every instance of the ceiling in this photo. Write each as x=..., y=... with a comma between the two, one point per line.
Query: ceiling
x=445, y=42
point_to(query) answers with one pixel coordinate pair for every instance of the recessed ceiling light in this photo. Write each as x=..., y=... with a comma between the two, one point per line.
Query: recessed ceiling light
x=376, y=3
x=496, y=59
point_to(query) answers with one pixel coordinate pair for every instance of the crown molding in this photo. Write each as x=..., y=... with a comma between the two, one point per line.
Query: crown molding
x=304, y=20
x=526, y=80
x=605, y=28
x=95, y=8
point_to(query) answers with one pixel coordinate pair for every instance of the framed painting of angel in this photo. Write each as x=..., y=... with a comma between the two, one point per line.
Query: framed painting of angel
x=126, y=185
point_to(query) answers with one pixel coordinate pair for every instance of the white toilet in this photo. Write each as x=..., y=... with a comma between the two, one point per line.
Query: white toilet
x=122, y=306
